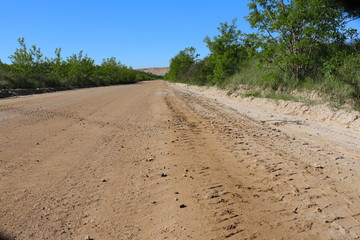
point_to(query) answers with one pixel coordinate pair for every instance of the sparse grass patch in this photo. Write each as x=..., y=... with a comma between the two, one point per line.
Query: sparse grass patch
x=309, y=102
x=281, y=96
x=255, y=94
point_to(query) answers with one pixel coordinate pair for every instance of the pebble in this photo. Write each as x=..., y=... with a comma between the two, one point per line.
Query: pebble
x=296, y=211
x=319, y=166
x=153, y=202
x=163, y=175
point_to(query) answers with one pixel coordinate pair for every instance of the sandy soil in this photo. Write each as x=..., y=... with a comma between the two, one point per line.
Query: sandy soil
x=164, y=161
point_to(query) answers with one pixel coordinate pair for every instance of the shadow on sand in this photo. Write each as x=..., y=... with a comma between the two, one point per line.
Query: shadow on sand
x=4, y=236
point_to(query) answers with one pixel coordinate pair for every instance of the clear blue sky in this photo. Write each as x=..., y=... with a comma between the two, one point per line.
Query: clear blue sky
x=138, y=33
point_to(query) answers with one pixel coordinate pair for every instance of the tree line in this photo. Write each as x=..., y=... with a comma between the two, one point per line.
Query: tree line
x=295, y=44
x=30, y=69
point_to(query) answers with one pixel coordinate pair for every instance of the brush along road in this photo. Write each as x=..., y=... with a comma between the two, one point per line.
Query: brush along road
x=159, y=161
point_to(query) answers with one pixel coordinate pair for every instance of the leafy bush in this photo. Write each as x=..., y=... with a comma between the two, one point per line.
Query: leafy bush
x=298, y=44
x=30, y=69
x=181, y=62
x=227, y=51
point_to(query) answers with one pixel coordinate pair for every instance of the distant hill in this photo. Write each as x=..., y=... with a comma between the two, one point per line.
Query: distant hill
x=160, y=71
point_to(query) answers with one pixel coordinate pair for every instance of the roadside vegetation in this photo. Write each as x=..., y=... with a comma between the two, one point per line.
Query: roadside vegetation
x=297, y=45
x=30, y=69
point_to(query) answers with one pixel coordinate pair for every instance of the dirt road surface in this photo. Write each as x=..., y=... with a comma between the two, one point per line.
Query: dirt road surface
x=158, y=161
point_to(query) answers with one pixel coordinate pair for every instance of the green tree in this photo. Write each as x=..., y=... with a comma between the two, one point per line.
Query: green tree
x=28, y=66
x=58, y=70
x=295, y=35
x=112, y=72
x=81, y=70
x=109, y=71
x=6, y=79
x=30, y=69
x=183, y=60
x=227, y=50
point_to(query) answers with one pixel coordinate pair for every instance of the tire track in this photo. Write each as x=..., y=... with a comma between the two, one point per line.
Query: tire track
x=277, y=186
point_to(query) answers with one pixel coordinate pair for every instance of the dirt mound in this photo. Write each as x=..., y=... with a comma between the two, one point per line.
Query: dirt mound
x=160, y=71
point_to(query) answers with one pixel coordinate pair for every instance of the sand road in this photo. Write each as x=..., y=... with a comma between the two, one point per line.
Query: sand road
x=156, y=161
